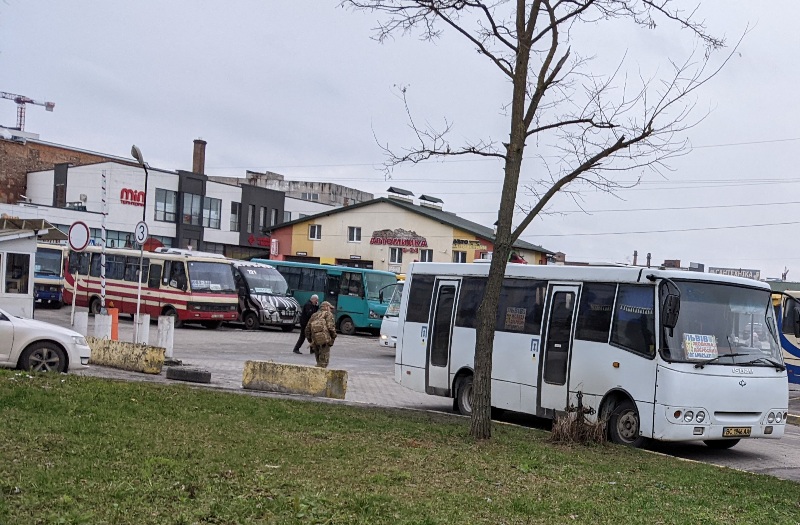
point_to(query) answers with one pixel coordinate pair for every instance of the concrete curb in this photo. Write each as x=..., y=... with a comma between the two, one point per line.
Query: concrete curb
x=126, y=356
x=294, y=379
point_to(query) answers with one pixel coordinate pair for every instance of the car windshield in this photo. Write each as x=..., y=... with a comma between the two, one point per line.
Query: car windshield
x=215, y=277
x=724, y=323
x=264, y=280
x=376, y=281
x=48, y=262
x=393, y=310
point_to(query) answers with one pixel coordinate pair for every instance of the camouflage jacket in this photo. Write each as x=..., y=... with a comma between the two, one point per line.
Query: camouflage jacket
x=321, y=328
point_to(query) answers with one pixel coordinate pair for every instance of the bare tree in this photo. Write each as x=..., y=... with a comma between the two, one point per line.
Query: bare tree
x=599, y=124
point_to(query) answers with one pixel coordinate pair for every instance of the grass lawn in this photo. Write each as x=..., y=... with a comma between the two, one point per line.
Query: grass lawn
x=87, y=450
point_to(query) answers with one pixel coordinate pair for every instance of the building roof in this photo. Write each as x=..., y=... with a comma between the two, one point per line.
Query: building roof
x=12, y=227
x=440, y=216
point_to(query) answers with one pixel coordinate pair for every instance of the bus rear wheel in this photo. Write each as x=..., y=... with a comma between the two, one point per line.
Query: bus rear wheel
x=721, y=444
x=174, y=314
x=464, y=395
x=623, y=425
x=346, y=326
x=94, y=306
x=287, y=328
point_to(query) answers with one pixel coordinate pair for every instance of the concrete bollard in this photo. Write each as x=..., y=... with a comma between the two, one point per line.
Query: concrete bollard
x=142, y=322
x=102, y=326
x=81, y=323
x=166, y=333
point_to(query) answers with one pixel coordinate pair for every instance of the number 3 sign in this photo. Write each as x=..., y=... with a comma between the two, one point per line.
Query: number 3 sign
x=141, y=233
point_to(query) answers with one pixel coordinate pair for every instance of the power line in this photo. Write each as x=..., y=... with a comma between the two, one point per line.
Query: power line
x=709, y=228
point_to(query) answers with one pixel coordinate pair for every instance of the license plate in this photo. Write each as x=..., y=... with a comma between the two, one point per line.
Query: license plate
x=217, y=316
x=735, y=431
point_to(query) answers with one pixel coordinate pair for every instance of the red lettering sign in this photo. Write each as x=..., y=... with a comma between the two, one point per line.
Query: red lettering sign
x=131, y=197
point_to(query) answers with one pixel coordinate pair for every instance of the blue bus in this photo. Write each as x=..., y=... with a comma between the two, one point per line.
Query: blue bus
x=787, y=310
x=48, y=275
x=358, y=294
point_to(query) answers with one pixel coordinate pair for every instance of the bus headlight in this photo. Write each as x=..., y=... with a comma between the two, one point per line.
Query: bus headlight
x=771, y=417
x=688, y=416
x=778, y=417
x=373, y=315
x=700, y=417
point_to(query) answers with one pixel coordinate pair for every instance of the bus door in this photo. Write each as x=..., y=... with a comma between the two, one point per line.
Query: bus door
x=553, y=384
x=440, y=327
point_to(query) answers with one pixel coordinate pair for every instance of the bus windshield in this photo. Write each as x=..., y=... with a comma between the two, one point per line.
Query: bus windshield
x=213, y=277
x=48, y=262
x=376, y=281
x=263, y=280
x=724, y=323
x=393, y=310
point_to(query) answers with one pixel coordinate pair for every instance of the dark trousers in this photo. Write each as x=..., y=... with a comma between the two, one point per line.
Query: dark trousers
x=300, y=339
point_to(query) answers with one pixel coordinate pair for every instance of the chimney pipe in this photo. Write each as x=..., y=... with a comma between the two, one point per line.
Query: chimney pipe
x=199, y=156
x=635, y=257
x=648, y=260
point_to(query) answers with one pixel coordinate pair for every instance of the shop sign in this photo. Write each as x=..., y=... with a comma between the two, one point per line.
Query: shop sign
x=131, y=197
x=398, y=237
x=468, y=244
x=355, y=257
x=258, y=241
x=737, y=272
x=273, y=247
x=301, y=254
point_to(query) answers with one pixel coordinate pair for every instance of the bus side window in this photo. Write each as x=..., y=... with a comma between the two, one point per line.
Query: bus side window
x=79, y=262
x=334, y=285
x=94, y=271
x=177, y=275
x=167, y=266
x=787, y=321
x=419, y=299
x=155, y=276
x=352, y=284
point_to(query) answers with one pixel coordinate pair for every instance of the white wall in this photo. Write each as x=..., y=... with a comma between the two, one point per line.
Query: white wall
x=14, y=303
x=298, y=206
x=227, y=193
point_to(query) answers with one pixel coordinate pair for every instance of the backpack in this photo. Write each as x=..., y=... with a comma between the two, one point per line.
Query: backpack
x=319, y=330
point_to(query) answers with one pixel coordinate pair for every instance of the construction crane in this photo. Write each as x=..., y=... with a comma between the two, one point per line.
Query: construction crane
x=21, y=101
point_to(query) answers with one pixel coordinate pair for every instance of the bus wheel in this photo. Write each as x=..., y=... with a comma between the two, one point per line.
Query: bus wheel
x=287, y=328
x=58, y=305
x=464, y=395
x=251, y=320
x=623, y=425
x=174, y=314
x=212, y=325
x=721, y=444
x=43, y=357
x=94, y=306
x=346, y=326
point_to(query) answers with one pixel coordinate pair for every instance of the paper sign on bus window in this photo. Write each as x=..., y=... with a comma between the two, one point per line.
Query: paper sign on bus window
x=698, y=346
x=515, y=319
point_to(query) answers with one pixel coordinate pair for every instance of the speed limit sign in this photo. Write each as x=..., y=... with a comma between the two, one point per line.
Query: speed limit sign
x=141, y=233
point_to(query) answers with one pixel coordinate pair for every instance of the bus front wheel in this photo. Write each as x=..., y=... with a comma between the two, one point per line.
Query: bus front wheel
x=623, y=425
x=464, y=396
x=721, y=444
x=346, y=326
x=251, y=320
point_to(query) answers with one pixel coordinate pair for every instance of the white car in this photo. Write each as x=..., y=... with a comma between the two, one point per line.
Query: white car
x=29, y=344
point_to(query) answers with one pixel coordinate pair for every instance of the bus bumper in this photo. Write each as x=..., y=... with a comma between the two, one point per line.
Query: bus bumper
x=672, y=423
x=276, y=318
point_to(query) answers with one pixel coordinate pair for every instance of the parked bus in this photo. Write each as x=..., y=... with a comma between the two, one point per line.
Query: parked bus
x=190, y=286
x=48, y=274
x=388, y=337
x=654, y=353
x=355, y=292
x=787, y=310
x=263, y=297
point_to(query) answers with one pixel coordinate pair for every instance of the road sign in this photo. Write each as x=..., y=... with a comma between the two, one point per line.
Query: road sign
x=141, y=233
x=78, y=236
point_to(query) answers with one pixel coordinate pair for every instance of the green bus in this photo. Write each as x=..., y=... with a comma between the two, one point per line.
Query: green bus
x=359, y=294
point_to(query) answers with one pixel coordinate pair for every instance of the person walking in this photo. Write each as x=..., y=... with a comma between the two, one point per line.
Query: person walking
x=309, y=309
x=321, y=332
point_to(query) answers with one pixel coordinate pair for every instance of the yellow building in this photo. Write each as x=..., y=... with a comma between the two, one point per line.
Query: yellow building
x=388, y=234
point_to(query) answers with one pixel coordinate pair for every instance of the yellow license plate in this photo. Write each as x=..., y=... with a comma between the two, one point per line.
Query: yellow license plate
x=735, y=431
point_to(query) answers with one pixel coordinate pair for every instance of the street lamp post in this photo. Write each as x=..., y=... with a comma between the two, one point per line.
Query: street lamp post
x=136, y=153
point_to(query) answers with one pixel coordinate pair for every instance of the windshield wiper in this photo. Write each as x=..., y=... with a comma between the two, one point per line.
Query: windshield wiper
x=779, y=366
x=701, y=364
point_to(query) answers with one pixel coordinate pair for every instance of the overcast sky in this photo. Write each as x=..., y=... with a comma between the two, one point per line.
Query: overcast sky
x=298, y=87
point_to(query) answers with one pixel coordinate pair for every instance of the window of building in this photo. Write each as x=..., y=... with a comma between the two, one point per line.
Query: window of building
x=426, y=255
x=273, y=217
x=166, y=205
x=594, y=312
x=634, y=319
x=459, y=257
x=236, y=211
x=395, y=255
x=309, y=196
x=354, y=234
x=18, y=267
x=212, y=209
x=287, y=216
x=315, y=231
x=214, y=247
x=262, y=219
x=251, y=217
x=191, y=208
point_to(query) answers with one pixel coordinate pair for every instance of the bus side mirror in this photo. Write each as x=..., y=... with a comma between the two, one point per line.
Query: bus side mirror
x=796, y=321
x=380, y=296
x=670, y=309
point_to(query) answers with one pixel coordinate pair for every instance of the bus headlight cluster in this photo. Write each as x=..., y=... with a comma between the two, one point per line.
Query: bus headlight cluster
x=689, y=416
x=776, y=417
x=373, y=315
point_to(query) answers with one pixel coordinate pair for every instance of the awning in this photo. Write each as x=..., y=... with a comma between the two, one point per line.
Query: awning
x=16, y=228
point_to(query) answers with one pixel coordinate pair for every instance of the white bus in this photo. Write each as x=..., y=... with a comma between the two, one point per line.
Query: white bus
x=388, y=336
x=657, y=354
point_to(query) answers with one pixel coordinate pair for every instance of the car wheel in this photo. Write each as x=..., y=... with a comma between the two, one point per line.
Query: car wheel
x=174, y=314
x=721, y=444
x=95, y=307
x=346, y=326
x=287, y=328
x=43, y=357
x=251, y=320
x=623, y=425
x=464, y=396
